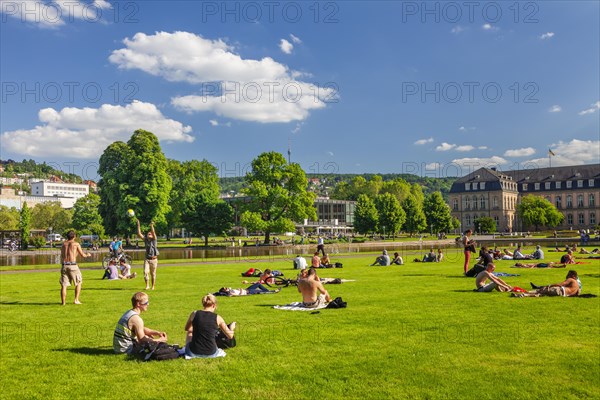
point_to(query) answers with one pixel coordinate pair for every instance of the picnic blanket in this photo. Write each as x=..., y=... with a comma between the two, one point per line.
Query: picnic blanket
x=504, y=274
x=298, y=306
x=335, y=280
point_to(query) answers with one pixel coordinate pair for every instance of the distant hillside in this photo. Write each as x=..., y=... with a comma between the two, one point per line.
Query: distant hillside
x=328, y=181
x=30, y=168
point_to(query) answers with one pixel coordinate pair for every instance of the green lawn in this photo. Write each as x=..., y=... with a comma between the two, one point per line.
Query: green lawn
x=412, y=331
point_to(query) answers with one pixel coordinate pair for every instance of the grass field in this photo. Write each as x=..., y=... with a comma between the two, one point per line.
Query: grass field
x=412, y=331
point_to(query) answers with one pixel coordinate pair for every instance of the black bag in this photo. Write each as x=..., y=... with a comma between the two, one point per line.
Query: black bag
x=337, y=303
x=473, y=272
x=152, y=350
x=472, y=248
x=223, y=342
x=339, y=265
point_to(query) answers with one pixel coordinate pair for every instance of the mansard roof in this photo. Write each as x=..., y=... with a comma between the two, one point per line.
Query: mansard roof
x=572, y=172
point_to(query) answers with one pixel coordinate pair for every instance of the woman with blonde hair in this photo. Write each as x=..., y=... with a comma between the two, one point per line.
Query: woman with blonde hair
x=202, y=328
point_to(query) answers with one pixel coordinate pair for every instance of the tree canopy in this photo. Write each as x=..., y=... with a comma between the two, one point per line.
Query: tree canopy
x=537, y=211
x=437, y=213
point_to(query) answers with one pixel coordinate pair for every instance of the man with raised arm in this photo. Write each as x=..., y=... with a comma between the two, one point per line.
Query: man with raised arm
x=151, y=261
x=69, y=272
x=130, y=328
x=312, y=290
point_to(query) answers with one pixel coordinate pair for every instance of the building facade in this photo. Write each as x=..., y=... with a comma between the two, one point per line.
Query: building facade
x=61, y=189
x=487, y=192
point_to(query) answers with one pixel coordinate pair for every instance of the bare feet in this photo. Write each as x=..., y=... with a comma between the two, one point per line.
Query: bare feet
x=232, y=326
x=77, y=302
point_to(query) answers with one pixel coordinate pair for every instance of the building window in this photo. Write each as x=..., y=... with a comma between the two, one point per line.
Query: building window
x=474, y=185
x=495, y=202
x=570, y=219
x=468, y=220
x=524, y=187
x=579, y=200
x=475, y=202
x=558, y=202
x=569, y=184
x=497, y=221
x=557, y=184
x=467, y=203
x=591, y=200
x=580, y=183
x=467, y=186
x=536, y=186
x=547, y=185
x=482, y=185
x=569, y=201
x=455, y=204
x=581, y=219
x=592, y=218
x=482, y=203
x=590, y=183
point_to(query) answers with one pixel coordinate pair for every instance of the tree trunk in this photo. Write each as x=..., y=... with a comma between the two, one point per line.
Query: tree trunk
x=205, y=240
x=267, y=238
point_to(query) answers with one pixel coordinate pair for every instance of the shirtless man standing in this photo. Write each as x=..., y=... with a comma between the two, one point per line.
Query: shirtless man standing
x=69, y=272
x=313, y=292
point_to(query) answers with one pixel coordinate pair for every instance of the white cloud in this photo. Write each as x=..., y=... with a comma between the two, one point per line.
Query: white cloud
x=433, y=166
x=467, y=147
x=523, y=152
x=52, y=14
x=457, y=29
x=555, y=108
x=86, y=132
x=214, y=122
x=424, y=141
x=286, y=46
x=482, y=148
x=244, y=89
x=295, y=39
x=471, y=164
x=595, y=107
x=445, y=147
x=490, y=28
x=330, y=153
x=575, y=152
x=547, y=35
x=466, y=128
x=298, y=127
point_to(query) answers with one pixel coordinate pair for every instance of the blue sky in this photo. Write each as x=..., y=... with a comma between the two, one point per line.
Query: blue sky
x=435, y=88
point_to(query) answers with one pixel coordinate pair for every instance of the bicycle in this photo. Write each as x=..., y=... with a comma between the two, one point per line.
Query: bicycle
x=282, y=281
x=122, y=256
x=13, y=246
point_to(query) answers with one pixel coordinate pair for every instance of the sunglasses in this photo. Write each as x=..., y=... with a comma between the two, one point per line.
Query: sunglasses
x=146, y=303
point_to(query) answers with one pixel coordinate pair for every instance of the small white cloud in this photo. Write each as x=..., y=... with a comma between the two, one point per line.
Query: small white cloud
x=555, y=108
x=490, y=28
x=469, y=165
x=467, y=147
x=457, y=29
x=103, y=4
x=286, y=46
x=445, y=147
x=88, y=131
x=330, y=153
x=524, y=152
x=482, y=147
x=214, y=122
x=423, y=141
x=298, y=127
x=575, y=152
x=433, y=166
x=295, y=39
x=595, y=107
x=466, y=128
x=547, y=35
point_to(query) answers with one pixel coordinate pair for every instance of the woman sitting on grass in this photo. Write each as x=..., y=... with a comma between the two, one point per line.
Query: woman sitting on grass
x=202, y=327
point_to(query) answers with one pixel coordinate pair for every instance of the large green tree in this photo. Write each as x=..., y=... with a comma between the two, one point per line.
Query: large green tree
x=193, y=181
x=365, y=215
x=485, y=224
x=86, y=217
x=205, y=216
x=51, y=215
x=134, y=175
x=391, y=215
x=9, y=218
x=415, y=217
x=437, y=213
x=25, y=225
x=537, y=211
x=278, y=195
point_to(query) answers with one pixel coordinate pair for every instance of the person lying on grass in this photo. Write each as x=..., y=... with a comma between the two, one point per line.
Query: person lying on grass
x=569, y=288
x=130, y=329
x=255, y=288
x=495, y=282
x=539, y=265
x=266, y=277
x=202, y=327
x=312, y=290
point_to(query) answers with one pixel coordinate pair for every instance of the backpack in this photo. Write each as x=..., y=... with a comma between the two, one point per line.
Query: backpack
x=339, y=265
x=158, y=351
x=473, y=272
x=337, y=303
x=252, y=273
x=223, y=342
x=277, y=273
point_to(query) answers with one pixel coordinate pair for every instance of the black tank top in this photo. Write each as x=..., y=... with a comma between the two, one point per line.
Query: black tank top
x=204, y=333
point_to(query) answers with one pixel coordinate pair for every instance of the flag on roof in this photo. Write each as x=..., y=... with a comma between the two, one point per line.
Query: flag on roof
x=550, y=152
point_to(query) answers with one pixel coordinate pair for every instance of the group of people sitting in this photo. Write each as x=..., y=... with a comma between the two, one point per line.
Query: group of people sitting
x=316, y=262
x=203, y=327
x=538, y=254
x=121, y=271
x=257, y=287
x=486, y=281
x=432, y=256
x=384, y=259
